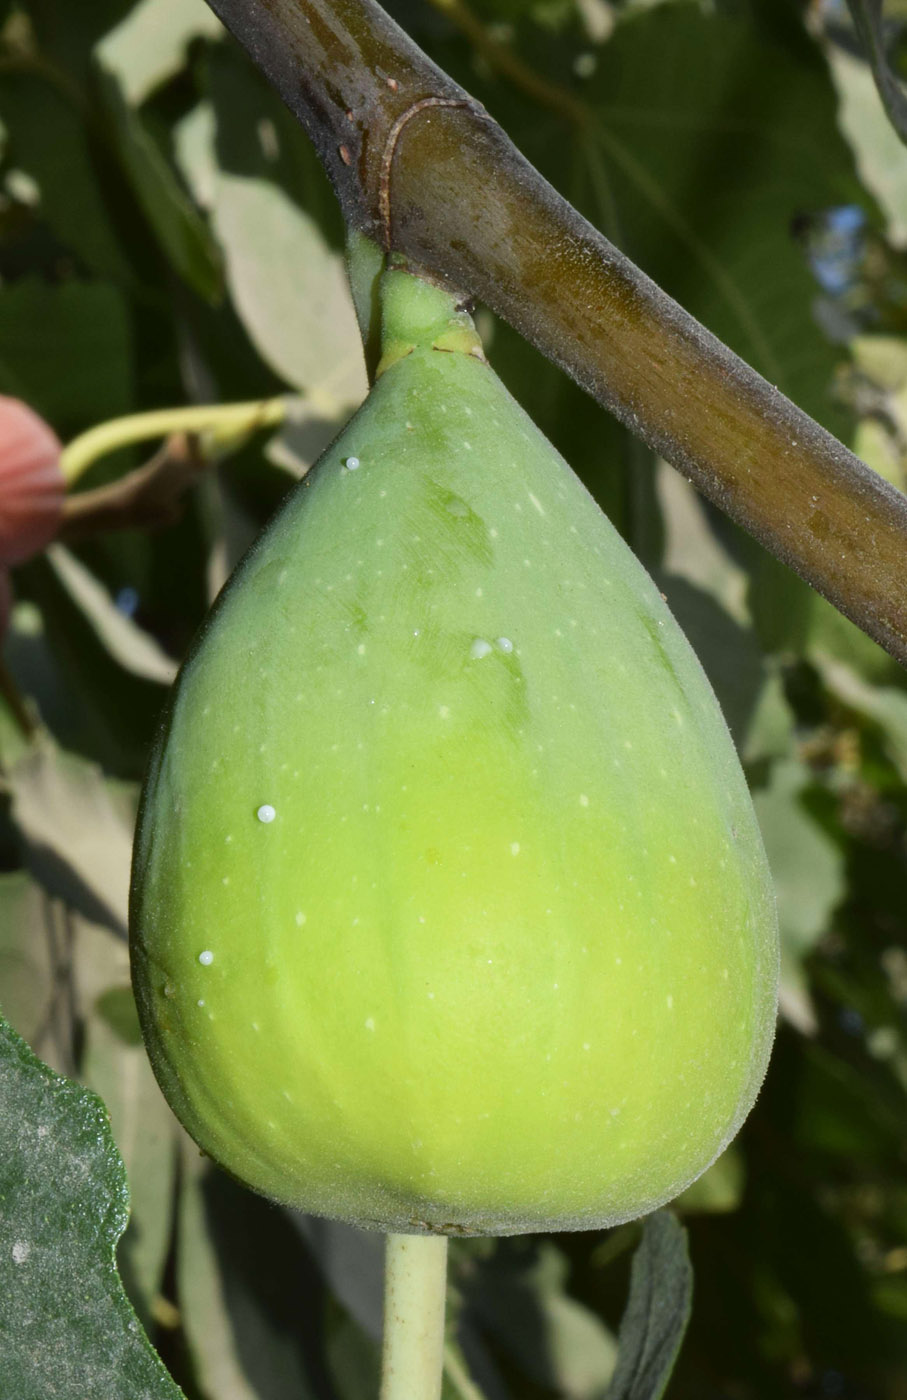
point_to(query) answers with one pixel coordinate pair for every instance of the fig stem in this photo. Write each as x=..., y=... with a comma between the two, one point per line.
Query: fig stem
x=415, y=1290
x=228, y=423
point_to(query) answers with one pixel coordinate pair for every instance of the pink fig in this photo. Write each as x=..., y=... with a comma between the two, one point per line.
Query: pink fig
x=32, y=486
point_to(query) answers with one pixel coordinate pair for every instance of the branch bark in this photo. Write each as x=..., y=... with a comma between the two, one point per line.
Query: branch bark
x=413, y=160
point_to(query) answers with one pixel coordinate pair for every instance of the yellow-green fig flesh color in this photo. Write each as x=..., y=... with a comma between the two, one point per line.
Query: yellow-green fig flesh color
x=450, y=910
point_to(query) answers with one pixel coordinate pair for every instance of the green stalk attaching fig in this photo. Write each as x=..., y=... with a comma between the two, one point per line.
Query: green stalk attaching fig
x=450, y=912
x=224, y=425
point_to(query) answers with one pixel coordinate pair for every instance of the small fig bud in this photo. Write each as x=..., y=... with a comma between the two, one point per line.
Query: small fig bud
x=32, y=487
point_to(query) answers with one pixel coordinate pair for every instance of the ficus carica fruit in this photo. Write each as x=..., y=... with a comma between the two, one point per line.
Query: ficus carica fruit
x=450, y=910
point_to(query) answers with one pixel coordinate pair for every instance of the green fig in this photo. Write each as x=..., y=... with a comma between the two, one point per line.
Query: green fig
x=450, y=910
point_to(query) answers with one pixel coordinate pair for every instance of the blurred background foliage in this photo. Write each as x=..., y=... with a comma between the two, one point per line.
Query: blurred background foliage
x=166, y=237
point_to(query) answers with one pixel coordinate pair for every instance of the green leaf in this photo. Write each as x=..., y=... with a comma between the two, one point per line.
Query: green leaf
x=883, y=707
x=808, y=873
x=135, y=650
x=710, y=143
x=47, y=138
x=77, y=834
x=867, y=17
x=66, y=350
x=115, y=1066
x=719, y=1189
x=353, y=1357
x=877, y=149
x=352, y=1264
x=287, y=279
x=246, y=1287
x=657, y=1312
x=807, y=866
x=519, y=1300
x=28, y=958
x=116, y=675
x=149, y=46
x=66, y=1327
x=180, y=230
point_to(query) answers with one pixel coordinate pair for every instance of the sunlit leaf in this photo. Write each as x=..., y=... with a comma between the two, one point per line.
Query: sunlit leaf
x=126, y=642
x=719, y=1189
x=869, y=21
x=246, y=1285
x=877, y=149
x=29, y=960
x=149, y=45
x=521, y=1306
x=287, y=279
x=117, y=1068
x=77, y=834
x=882, y=706
x=808, y=874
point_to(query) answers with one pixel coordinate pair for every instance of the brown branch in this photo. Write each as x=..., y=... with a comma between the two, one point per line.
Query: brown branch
x=147, y=498
x=350, y=74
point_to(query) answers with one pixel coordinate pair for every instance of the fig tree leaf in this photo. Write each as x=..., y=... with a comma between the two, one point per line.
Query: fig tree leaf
x=77, y=835
x=134, y=649
x=28, y=958
x=353, y=1358
x=713, y=144
x=115, y=674
x=179, y=228
x=48, y=140
x=884, y=707
x=352, y=1263
x=115, y=1066
x=657, y=1312
x=284, y=260
x=523, y=1308
x=149, y=45
x=807, y=866
x=808, y=873
x=875, y=144
x=868, y=19
x=718, y=1190
x=692, y=549
x=729, y=652
x=245, y=1284
x=66, y=350
x=66, y=1327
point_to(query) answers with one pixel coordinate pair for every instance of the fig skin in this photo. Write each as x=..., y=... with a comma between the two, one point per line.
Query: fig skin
x=32, y=487
x=450, y=911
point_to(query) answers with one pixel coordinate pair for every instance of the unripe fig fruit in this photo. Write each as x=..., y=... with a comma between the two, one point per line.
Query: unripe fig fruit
x=32, y=488
x=450, y=910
